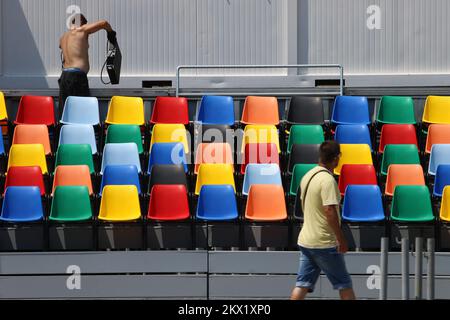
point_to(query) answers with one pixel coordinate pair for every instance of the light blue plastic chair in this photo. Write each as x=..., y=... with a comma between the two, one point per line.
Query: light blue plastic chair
x=120, y=153
x=78, y=134
x=81, y=110
x=440, y=154
x=261, y=173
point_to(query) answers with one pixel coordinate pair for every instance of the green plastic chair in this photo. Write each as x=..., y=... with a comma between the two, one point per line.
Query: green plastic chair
x=71, y=203
x=399, y=154
x=412, y=204
x=396, y=110
x=75, y=154
x=123, y=133
x=300, y=169
x=305, y=134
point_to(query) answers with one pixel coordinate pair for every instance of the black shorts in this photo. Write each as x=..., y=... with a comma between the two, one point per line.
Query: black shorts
x=72, y=83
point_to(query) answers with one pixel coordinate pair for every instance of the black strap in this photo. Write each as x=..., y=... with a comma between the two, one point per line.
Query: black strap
x=306, y=189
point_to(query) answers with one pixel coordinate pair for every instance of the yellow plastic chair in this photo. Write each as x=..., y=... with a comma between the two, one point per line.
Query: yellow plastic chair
x=3, y=112
x=354, y=154
x=437, y=110
x=444, y=213
x=119, y=203
x=260, y=134
x=125, y=110
x=169, y=133
x=24, y=155
x=209, y=173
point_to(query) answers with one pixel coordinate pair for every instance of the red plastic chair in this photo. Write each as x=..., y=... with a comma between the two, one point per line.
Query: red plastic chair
x=25, y=176
x=168, y=202
x=397, y=134
x=260, y=153
x=356, y=174
x=36, y=110
x=170, y=110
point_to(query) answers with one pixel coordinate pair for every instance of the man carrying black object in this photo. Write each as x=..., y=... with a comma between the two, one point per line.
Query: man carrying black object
x=75, y=45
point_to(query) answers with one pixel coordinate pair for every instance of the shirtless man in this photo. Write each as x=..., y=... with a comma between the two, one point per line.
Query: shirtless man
x=74, y=45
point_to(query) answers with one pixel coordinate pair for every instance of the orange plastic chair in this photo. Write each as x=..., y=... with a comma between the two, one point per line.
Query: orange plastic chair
x=32, y=134
x=72, y=176
x=260, y=110
x=437, y=134
x=213, y=153
x=403, y=174
x=266, y=203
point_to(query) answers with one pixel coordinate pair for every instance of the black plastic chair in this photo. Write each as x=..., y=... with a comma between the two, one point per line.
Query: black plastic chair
x=303, y=153
x=167, y=174
x=306, y=110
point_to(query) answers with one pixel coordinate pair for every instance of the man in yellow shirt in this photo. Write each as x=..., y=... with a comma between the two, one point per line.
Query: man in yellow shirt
x=321, y=240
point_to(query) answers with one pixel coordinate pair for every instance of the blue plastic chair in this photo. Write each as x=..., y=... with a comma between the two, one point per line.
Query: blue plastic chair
x=442, y=179
x=120, y=153
x=261, y=173
x=78, y=134
x=81, y=110
x=22, y=204
x=216, y=110
x=362, y=203
x=353, y=134
x=217, y=203
x=167, y=153
x=2, y=146
x=120, y=175
x=440, y=154
x=350, y=110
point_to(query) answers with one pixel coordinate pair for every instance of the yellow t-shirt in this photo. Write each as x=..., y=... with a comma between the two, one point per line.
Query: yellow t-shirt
x=323, y=190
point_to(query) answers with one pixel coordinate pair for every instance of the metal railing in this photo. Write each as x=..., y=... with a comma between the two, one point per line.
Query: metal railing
x=287, y=66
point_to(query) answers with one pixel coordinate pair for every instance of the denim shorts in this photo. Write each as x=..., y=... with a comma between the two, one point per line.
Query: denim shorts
x=330, y=261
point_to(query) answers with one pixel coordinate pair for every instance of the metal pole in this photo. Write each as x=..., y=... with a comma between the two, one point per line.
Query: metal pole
x=430, y=269
x=418, y=277
x=384, y=267
x=405, y=268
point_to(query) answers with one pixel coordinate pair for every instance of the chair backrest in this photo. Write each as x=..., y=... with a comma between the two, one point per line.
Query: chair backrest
x=170, y=110
x=399, y=154
x=81, y=110
x=266, y=203
x=162, y=132
x=167, y=153
x=125, y=133
x=437, y=110
x=303, y=153
x=71, y=203
x=397, y=134
x=75, y=154
x=167, y=174
x=260, y=153
x=3, y=111
x=22, y=204
x=2, y=146
x=32, y=134
x=168, y=202
x=120, y=175
x=396, y=110
x=36, y=110
x=356, y=174
x=437, y=134
x=213, y=153
x=78, y=134
x=216, y=110
x=209, y=133
x=353, y=134
x=25, y=176
x=403, y=174
x=350, y=110
x=260, y=134
x=217, y=203
x=260, y=110
x=261, y=173
x=444, y=212
x=120, y=153
x=298, y=172
x=363, y=203
x=353, y=154
x=411, y=204
x=305, y=110
x=119, y=203
x=305, y=134
x=125, y=110
x=214, y=174
x=440, y=154
x=24, y=155
x=441, y=180
x=72, y=176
